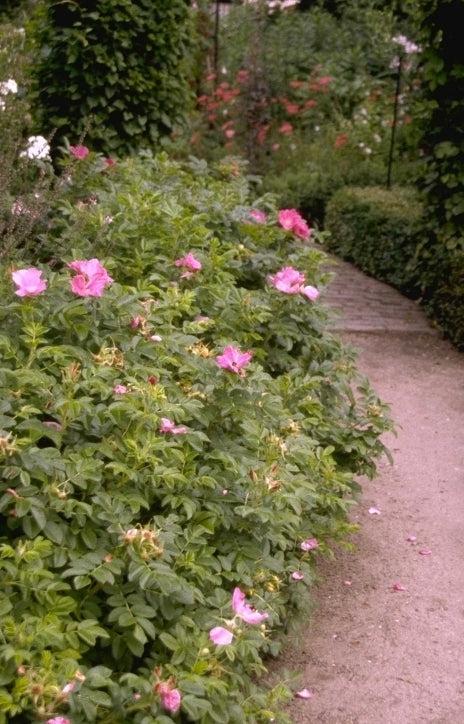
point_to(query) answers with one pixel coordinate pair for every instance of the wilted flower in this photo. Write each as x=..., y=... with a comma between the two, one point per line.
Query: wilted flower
x=309, y=544
x=221, y=636
x=120, y=389
x=170, y=427
x=29, y=282
x=91, y=279
x=234, y=360
x=170, y=698
x=244, y=611
x=38, y=148
x=297, y=576
x=258, y=216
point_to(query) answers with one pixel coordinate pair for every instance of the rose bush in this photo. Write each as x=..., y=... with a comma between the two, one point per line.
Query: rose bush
x=177, y=449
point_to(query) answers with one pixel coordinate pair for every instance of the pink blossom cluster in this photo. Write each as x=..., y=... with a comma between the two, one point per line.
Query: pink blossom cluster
x=291, y=220
x=90, y=280
x=291, y=281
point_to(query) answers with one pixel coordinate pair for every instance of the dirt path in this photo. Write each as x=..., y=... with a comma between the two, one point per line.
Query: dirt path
x=372, y=654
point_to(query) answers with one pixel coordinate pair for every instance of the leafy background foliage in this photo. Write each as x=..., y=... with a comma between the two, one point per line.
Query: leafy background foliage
x=115, y=70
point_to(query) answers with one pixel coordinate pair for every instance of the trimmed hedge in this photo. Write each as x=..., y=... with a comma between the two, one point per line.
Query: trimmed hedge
x=377, y=229
x=384, y=233
x=116, y=71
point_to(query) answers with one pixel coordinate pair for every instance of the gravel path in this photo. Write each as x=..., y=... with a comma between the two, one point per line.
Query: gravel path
x=372, y=654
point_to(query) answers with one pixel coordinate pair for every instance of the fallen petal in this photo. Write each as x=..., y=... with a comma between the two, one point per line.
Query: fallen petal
x=411, y=538
x=398, y=587
x=374, y=511
x=425, y=552
x=347, y=583
x=304, y=694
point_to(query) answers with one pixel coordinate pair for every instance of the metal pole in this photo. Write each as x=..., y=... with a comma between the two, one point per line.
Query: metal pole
x=395, y=120
x=216, y=41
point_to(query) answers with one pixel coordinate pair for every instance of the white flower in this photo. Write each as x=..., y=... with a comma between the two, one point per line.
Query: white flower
x=38, y=148
x=408, y=46
x=8, y=86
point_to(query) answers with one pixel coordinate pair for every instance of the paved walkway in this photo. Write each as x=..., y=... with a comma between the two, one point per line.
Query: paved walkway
x=364, y=304
x=370, y=653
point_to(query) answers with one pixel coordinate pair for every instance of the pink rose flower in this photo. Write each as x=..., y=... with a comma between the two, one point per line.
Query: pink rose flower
x=234, y=360
x=59, y=720
x=170, y=698
x=189, y=262
x=288, y=280
x=221, y=636
x=29, y=282
x=79, y=151
x=91, y=278
x=291, y=220
x=170, y=427
x=244, y=611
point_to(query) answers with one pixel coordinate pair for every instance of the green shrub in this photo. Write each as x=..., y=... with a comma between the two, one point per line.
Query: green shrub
x=379, y=230
x=115, y=70
x=143, y=482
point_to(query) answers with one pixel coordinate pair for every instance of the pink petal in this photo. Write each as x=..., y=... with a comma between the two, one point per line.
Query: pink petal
x=398, y=587
x=297, y=576
x=411, y=538
x=347, y=583
x=374, y=511
x=304, y=694
x=221, y=636
x=425, y=552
